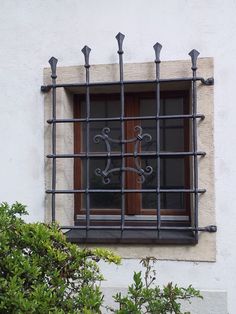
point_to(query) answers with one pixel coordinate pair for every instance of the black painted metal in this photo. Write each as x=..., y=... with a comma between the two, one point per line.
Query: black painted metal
x=126, y=191
x=53, y=64
x=167, y=117
x=194, y=55
x=110, y=154
x=157, y=48
x=210, y=228
x=209, y=81
x=120, y=38
x=104, y=136
x=86, y=51
x=136, y=140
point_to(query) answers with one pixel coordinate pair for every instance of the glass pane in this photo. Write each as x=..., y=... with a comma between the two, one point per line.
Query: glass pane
x=168, y=106
x=102, y=108
x=173, y=172
x=97, y=200
x=172, y=106
x=148, y=107
x=174, y=201
x=149, y=201
x=103, y=201
x=105, y=109
x=173, y=138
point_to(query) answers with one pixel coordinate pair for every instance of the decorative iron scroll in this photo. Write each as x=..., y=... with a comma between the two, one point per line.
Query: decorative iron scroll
x=104, y=136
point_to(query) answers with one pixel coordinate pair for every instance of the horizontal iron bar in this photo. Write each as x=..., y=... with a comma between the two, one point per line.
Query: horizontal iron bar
x=166, y=117
x=210, y=228
x=147, y=154
x=208, y=81
x=126, y=191
x=133, y=218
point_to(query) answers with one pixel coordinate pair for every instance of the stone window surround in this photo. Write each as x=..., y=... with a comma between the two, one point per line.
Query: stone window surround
x=205, y=250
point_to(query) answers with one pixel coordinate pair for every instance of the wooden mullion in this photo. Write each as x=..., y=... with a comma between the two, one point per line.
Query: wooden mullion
x=133, y=200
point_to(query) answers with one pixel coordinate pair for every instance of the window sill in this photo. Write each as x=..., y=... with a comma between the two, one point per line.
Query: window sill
x=131, y=237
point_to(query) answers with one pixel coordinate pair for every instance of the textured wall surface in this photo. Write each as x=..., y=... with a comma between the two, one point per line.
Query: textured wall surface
x=32, y=31
x=214, y=302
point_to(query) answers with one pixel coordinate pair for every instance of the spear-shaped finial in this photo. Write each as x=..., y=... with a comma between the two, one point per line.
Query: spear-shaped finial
x=53, y=63
x=194, y=54
x=157, y=48
x=86, y=51
x=120, y=38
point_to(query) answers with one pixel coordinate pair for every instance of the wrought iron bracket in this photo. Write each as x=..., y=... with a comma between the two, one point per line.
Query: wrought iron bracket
x=45, y=88
x=208, y=82
x=210, y=228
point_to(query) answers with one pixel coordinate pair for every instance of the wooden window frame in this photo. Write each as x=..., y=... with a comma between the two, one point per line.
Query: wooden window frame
x=133, y=203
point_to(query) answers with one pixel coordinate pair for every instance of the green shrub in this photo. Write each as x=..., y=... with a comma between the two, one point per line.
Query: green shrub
x=144, y=296
x=40, y=272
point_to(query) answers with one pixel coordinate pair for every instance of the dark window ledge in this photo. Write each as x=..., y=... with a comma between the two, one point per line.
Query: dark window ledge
x=131, y=236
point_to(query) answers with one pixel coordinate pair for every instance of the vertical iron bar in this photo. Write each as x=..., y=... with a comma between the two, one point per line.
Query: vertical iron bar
x=157, y=48
x=194, y=54
x=164, y=149
x=120, y=37
x=53, y=64
x=86, y=51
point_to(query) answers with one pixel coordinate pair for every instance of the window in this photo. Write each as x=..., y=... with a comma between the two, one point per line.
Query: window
x=135, y=166
x=141, y=173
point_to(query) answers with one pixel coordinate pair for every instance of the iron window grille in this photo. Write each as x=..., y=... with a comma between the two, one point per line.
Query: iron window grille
x=123, y=231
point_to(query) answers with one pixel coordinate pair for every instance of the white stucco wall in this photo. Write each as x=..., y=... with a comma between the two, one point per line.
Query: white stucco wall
x=32, y=31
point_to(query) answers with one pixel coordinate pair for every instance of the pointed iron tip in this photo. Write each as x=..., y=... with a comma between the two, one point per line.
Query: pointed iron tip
x=86, y=51
x=157, y=48
x=194, y=55
x=53, y=63
x=120, y=38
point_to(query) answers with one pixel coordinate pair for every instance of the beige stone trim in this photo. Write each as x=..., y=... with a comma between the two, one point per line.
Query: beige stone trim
x=205, y=250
